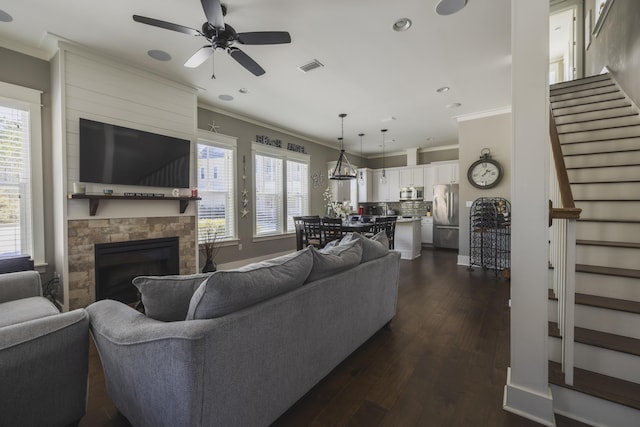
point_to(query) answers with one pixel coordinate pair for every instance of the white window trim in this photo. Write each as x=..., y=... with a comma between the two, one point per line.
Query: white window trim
x=30, y=99
x=257, y=148
x=230, y=143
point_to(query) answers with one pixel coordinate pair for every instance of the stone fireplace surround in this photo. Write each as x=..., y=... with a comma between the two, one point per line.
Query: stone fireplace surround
x=84, y=234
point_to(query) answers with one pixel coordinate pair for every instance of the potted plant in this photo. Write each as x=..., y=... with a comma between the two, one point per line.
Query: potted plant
x=210, y=249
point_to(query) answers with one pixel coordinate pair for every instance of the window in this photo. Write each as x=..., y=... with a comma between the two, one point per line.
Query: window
x=216, y=186
x=277, y=171
x=21, y=206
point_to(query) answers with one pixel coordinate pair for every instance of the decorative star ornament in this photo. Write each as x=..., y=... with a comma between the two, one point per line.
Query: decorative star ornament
x=213, y=127
x=244, y=212
x=245, y=193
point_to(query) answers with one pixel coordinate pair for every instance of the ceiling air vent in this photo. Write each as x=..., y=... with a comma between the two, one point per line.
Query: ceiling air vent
x=310, y=66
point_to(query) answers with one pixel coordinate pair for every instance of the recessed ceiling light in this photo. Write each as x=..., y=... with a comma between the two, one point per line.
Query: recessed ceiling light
x=225, y=98
x=402, y=24
x=5, y=17
x=243, y=90
x=159, y=55
x=443, y=89
x=449, y=7
x=453, y=105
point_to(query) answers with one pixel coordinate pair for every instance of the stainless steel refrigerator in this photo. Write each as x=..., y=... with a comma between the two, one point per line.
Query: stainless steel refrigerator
x=446, y=218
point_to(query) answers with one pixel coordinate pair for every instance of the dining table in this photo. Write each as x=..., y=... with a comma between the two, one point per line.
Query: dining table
x=356, y=226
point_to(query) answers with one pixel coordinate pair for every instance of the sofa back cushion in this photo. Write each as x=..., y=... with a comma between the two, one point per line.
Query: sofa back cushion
x=228, y=291
x=334, y=259
x=375, y=247
x=167, y=298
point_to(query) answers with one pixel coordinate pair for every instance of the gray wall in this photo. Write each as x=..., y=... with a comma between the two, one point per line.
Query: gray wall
x=246, y=133
x=423, y=158
x=34, y=73
x=618, y=46
x=492, y=132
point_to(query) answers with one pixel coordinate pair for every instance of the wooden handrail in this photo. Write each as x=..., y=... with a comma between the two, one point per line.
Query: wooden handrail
x=568, y=209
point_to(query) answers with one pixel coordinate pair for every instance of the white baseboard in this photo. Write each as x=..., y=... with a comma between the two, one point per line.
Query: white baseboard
x=464, y=260
x=527, y=403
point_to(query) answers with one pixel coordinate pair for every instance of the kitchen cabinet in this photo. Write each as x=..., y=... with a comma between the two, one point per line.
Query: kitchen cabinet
x=446, y=172
x=411, y=177
x=426, y=230
x=389, y=192
x=429, y=181
x=407, y=238
x=365, y=188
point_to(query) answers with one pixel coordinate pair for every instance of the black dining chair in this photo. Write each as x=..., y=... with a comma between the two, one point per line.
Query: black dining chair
x=390, y=228
x=299, y=226
x=312, y=231
x=379, y=224
x=331, y=229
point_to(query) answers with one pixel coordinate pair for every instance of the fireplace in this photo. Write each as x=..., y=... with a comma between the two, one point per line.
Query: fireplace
x=116, y=264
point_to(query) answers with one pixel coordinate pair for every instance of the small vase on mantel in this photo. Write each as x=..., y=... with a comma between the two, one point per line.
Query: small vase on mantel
x=209, y=266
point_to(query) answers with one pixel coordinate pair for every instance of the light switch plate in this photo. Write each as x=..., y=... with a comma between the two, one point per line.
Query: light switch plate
x=469, y=203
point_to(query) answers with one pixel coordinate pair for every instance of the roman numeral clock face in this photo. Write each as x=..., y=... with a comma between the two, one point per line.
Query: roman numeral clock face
x=484, y=173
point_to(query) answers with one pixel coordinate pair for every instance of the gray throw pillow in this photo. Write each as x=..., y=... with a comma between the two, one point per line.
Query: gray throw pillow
x=228, y=291
x=375, y=247
x=329, y=261
x=167, y=298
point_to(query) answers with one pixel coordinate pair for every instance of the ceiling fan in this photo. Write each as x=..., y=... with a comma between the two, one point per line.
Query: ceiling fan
x=221, y=37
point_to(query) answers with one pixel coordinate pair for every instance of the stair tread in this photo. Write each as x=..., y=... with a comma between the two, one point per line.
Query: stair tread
x=626, y=105
x=614, y=220
x=609, y=271
x=595, y=153
x=605, y=182
x=598, y=120
x=600, y=339
x=626, y=165
x=603, y=386
x=632, y=245
x=599, y=129
x=608, y=303
x=580, y=81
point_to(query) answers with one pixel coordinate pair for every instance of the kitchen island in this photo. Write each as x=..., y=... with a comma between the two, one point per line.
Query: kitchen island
x=408, y=238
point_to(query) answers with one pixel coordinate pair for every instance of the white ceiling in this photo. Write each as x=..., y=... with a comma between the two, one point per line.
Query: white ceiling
x=371, y=72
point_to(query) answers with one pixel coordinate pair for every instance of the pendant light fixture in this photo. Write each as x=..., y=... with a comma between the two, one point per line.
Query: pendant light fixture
x=343, y=170
x=360, y=171
x=383, y=177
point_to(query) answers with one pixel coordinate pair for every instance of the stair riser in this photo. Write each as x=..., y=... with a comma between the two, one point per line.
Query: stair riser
x=592, y=411
x=622, y=173
x=607, y=256
x=582, y=93
x=594, y=135
x=594, y=115
x=626, y=288
x=599, y=106
x=601, y=319
x=608, y=231
x=599, y=124
x=601, y=146
x=577, y=84
x=587, y=100
x=610, y=210
x=579, y=88
x=606, y=159
x=600, y=360
x=613, y=191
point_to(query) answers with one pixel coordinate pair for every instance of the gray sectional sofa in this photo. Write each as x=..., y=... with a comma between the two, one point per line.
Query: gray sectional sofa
x=239, y=347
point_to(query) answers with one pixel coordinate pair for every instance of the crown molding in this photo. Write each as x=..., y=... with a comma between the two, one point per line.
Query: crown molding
x=483, y=114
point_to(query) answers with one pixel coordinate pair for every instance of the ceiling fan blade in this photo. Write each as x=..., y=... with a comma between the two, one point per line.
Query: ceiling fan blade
x=246, y=61
x=199, y=57
x=213, y=12
x=264, y=37
x=166, y=25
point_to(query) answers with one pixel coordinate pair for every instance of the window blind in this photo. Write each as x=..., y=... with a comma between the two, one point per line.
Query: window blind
x=297, y=191
x=15, y=185
x=268, y=194
x=216, y=210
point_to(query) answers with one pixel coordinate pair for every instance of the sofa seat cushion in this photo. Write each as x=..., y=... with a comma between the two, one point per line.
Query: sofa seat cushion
x=167, y=298
x=375, y=247
x=334, y=259
x=229, y=291
x=25, y=309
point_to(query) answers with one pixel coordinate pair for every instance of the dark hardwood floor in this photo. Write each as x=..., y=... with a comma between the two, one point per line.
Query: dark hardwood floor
x=443, y=361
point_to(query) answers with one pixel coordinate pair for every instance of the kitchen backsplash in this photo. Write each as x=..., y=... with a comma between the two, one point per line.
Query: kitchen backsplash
x=413, y=208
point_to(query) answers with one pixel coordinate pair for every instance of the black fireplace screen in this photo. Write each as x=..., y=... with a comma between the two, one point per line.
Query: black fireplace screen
x=118, y=263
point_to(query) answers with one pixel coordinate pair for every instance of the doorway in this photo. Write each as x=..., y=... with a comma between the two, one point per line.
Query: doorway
x=566, y=40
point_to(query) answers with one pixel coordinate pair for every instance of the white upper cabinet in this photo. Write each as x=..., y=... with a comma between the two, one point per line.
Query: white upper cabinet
x=446, y=172
x=389, y=192
x=429, y=175
x=412, y=177
x=365, y=193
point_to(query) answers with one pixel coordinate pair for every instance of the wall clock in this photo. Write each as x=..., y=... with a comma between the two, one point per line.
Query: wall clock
x=486, y=172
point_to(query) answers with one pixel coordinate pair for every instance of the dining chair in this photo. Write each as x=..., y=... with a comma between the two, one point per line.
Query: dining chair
x=299, y=226
x=391, y=230
x=331, y=229
x=312, y=231
x=379, y=224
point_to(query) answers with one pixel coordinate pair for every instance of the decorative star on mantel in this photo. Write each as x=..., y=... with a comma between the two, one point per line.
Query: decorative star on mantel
x=213, y=127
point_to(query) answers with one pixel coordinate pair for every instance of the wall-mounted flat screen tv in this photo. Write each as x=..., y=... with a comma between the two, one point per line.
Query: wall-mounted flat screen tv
x=112, y=154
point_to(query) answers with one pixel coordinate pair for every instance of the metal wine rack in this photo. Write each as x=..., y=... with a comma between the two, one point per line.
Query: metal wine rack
x=490, y=234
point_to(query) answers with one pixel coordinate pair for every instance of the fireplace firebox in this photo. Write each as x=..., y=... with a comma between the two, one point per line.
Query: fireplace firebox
x=116, y=264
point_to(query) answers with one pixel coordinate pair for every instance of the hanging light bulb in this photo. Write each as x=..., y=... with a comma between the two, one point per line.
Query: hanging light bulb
x=343, y=170
x=383, y=177
x=360, y=171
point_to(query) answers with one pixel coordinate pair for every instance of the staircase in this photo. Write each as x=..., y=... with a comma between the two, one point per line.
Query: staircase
x=599, y=131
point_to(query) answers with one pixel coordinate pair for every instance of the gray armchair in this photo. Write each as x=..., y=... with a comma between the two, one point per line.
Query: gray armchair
x=43, y=356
